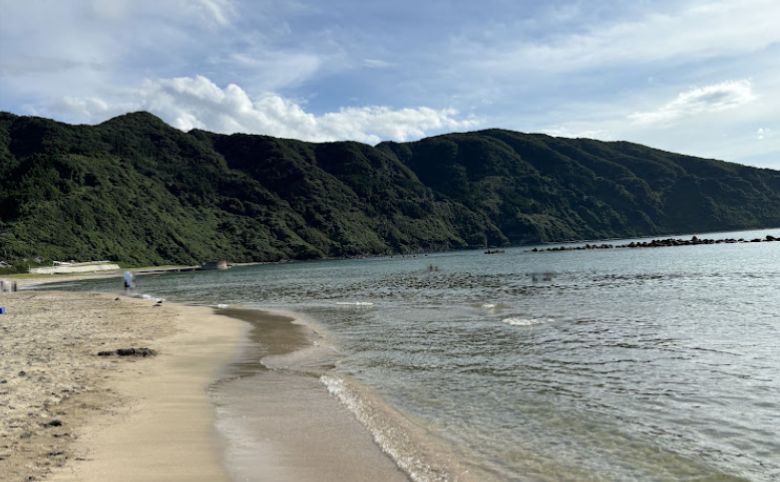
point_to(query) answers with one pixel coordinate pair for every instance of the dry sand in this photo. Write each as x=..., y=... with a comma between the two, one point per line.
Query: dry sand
x=114, y=418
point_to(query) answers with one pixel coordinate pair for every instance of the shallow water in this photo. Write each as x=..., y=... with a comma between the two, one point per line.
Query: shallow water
x=643, y=364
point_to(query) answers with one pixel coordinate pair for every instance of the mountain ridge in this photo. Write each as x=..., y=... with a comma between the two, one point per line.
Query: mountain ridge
x=136, y=190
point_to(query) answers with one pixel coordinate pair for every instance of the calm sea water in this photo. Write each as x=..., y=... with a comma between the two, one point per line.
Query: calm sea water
x=644, y=364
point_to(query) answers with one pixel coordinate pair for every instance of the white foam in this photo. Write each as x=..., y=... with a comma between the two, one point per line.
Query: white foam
x=516, y=321
x=222, y=306
x=391, y=439
x=355, y=303
x=494, y=307
x=150, y=298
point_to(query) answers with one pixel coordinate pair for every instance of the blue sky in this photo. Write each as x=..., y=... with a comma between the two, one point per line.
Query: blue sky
x=692, y=76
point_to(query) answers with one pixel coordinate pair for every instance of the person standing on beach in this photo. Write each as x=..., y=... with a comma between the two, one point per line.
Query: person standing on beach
x=128, y=281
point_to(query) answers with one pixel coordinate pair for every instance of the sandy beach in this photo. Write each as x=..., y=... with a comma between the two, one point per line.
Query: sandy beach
x=68, y=414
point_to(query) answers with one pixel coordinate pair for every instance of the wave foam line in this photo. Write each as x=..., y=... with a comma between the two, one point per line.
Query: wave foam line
x=150, y=298
x=390, y=438
x=515, y=321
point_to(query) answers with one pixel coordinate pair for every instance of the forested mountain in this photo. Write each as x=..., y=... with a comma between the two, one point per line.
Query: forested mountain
x=136, y=190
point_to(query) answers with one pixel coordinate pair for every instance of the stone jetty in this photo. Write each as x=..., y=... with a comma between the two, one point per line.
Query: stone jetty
x=659, y=243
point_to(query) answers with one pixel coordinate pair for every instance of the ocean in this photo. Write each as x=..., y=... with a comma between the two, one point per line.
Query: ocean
x=620, y=364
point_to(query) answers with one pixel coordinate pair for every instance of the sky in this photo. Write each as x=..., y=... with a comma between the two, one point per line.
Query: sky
x=693, y=76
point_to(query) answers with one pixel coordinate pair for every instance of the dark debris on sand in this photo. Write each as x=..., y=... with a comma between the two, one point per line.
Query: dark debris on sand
x=129, y=352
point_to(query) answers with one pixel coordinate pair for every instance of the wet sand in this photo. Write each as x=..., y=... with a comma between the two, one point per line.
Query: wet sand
x=278, y=420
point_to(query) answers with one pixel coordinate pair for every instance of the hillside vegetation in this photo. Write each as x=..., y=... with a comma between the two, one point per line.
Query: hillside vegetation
x=136, y=190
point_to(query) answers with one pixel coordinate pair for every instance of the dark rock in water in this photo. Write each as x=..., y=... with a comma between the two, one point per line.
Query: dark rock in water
x=53, y=423
x=135, y=352
x=22, y=373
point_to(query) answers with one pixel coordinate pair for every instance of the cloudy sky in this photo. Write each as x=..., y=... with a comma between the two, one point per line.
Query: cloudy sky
x=693, y=76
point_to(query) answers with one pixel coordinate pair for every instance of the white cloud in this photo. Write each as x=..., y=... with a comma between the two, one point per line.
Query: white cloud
x=84, y=107
x=576, y=132
x=219, y=11
x=746, y=134
x=279, y=68
x=697, y=30
x=763, y=133
x=711, y=98
x=376, y=63
x=197, y=102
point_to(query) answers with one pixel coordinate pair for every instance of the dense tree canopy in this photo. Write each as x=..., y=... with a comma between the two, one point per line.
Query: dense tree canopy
x=136, y=190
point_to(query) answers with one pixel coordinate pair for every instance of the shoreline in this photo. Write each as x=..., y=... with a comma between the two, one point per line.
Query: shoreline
x=27, y=280
x=327, y=425
x=169, y=417
x=278, y=419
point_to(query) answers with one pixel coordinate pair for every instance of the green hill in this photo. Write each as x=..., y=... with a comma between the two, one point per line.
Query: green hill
x=136, y=190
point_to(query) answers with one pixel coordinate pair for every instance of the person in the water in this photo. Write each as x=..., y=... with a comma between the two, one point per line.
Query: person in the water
x=128, y=276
